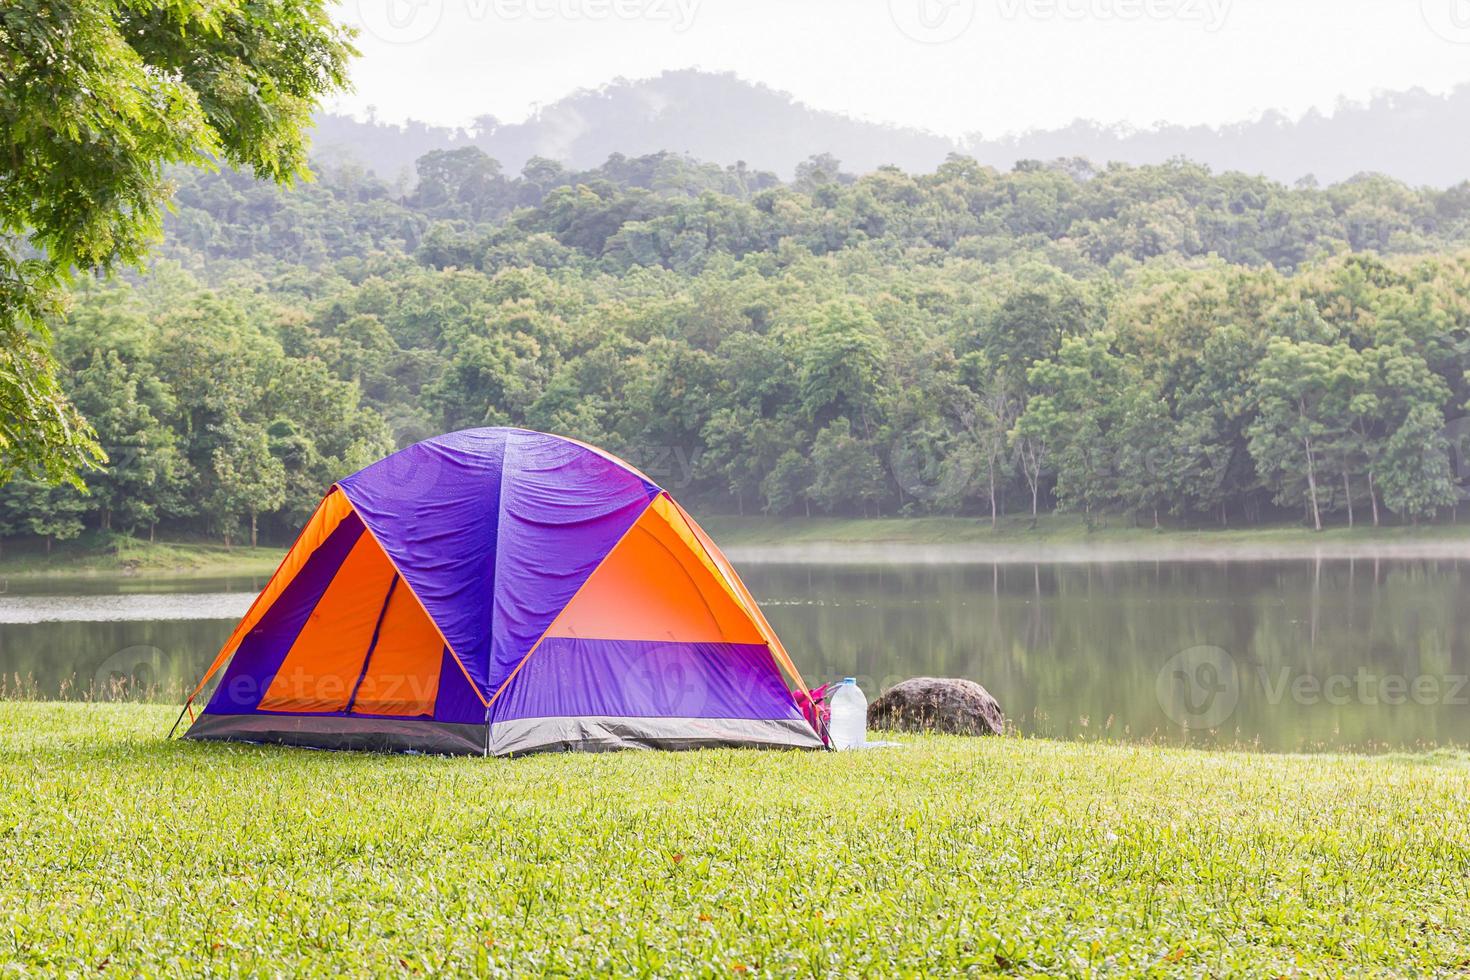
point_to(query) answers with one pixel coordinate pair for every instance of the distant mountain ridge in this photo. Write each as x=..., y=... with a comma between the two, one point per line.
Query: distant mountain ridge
x=1414, y=136
x=717, y=118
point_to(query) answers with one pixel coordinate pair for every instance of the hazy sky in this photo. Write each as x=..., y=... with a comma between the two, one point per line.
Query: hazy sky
x=952, y=66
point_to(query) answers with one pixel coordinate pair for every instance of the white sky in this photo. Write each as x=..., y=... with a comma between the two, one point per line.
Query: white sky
x=1015, y=64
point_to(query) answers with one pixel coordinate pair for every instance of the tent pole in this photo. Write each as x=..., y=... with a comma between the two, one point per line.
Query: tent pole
x=180, y=718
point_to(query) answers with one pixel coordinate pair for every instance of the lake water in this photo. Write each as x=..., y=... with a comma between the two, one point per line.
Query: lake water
x=1284, y=655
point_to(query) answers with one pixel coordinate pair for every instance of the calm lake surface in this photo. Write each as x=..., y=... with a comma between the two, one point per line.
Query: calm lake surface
x=1286, y=655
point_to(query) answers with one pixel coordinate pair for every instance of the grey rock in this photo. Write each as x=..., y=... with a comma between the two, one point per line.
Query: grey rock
x=950, y=705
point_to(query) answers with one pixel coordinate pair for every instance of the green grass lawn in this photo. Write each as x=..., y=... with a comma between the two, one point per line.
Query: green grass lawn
x=122, y=851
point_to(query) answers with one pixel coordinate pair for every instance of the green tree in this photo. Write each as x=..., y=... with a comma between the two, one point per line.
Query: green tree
x=97, y=97
x=143, y=461
x=52, y=512
x=1030, y=324
x=1210, y=462
x=721, y=322
x=1143, y=451
x=460, y=183
x=1079, y=406
x=987, y=406
x=788, y=483
x=845, y=470
x=739, y=448
x=248, y=480
x=1289, y=438
x=841, y=364
x=1417, y=477
x=1398, y=381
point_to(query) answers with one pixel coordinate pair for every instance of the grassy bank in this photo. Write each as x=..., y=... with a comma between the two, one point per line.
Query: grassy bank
x=123, y=851
x=120, y=555
x=825, y=538
x=1051, y=529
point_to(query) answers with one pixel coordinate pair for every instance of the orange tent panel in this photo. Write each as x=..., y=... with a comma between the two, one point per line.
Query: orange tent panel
x=323, y=665
x=731, y=579
x=654, y=586
x=401, y=677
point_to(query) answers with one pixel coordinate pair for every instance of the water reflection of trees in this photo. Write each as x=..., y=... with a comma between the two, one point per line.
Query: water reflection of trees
x=101, y=659
x=1057, y=644
x=1062, y=643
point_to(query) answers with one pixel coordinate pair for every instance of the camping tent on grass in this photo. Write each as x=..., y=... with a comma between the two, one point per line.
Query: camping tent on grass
x=501, y=591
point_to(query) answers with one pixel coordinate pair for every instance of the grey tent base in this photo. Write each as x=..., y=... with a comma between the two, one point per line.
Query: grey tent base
x=519, y=737
x=342, y=732
x=606, y=734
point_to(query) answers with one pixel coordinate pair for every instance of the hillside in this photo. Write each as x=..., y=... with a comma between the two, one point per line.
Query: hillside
x=1163, y=343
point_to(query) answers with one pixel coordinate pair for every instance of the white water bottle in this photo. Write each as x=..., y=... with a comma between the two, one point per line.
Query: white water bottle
x=849, y=716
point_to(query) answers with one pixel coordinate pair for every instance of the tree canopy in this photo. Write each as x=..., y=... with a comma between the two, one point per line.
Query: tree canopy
x=98, y=98
x=1129, y=343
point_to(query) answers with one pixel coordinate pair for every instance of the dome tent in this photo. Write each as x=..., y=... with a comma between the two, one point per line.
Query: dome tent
x=502, y=591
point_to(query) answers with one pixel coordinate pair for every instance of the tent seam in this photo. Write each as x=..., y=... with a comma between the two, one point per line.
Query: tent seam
x=507, y=473
x=367, y=658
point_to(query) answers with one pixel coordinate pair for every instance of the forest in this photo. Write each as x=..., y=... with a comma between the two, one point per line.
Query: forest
x=1156, y=344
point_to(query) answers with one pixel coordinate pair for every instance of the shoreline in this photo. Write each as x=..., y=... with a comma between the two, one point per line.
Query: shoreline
x=1065, y=540
x=143, y=560
x=878, y=541
x=997, y=553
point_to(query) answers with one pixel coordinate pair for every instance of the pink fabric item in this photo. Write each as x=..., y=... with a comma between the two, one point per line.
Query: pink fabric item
x=816, y=710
